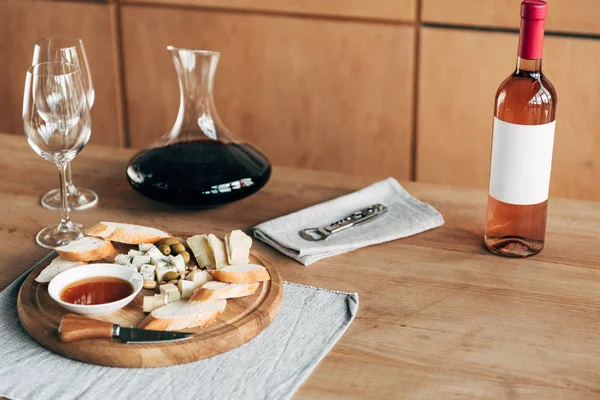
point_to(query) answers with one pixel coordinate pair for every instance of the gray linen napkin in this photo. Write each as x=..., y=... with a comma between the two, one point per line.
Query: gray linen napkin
x=271, y=366
x=406, y=216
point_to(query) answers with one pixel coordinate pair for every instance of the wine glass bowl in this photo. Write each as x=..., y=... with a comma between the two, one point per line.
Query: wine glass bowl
x=71, y=51
x=55, y=113
x=67, y=50
x=57, y=124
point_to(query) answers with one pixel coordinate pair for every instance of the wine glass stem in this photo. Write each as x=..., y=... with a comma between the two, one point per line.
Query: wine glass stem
x=70, y=187
x=65, y=220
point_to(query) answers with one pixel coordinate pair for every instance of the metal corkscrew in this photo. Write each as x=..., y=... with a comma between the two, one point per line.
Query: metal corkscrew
x=358, y=217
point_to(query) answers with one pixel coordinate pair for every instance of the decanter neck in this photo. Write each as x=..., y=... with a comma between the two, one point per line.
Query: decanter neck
x=197, y=114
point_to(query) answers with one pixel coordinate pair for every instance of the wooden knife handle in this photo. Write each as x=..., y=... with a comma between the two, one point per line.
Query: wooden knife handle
x=75, y=327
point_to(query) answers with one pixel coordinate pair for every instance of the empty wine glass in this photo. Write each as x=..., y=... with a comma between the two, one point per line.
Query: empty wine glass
x=68, y=50
x=57, y=123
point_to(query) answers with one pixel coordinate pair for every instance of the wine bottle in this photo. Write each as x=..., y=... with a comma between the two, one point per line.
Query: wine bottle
x=522, y=144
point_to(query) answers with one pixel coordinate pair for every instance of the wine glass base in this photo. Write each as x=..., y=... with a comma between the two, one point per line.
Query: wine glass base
x=81, y=200
x=52, y=237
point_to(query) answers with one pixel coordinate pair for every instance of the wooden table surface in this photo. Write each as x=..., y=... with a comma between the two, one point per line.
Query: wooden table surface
x=439, y=316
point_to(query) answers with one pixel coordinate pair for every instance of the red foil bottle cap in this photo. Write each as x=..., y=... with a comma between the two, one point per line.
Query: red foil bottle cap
x=534, y=9
x=531, y=38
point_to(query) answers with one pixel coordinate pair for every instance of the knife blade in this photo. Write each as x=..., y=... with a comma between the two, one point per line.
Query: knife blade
x=76, y=327
x=135, y=335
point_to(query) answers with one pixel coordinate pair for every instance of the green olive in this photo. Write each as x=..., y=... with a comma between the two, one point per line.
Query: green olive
x=186, y=256
x=169, y=241
x=165, y=249
x=170, y=275
x=177, y=248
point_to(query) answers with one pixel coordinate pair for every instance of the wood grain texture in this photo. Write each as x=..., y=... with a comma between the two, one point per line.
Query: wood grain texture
x=576, y=16
x=22, y=23
x=394, y=10
x=456, y=99
x=77, y=327
x=331, y=95
x=439, y=316
x=242, y=320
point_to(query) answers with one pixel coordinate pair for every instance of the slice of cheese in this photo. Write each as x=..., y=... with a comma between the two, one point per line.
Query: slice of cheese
x=178, y=262
x=153, y=302
x=198, y=277
x=144, y=247
x=148, y=303
x=186, y=288
x=138, y=261
x=174, y=295
x=156, y=254
x=238, y=244
x=134, y=253
x=218, y=249
x=159, y=263
x=147, y=268
x=202, y=251
x=163, y=289
x=171, y=291
x=147, y=272
x=160, y=300
x=123, y=259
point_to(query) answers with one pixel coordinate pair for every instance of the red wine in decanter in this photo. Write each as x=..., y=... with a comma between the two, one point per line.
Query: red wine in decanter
x=522, y=144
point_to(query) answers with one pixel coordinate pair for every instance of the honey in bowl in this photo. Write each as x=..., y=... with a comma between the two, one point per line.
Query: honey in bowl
x=96, y=290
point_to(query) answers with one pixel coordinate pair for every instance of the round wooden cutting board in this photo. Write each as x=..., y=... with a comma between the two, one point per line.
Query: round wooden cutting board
x=242, y=320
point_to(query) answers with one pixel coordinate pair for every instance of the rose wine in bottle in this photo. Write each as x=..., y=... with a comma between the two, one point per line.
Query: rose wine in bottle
x=523, y=138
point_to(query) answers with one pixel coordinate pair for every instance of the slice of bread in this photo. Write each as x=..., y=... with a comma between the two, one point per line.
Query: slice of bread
x=86, y=249
x=245, y=273
x=57, y=266
x=220, y=290
x=102, y=230
x=238, y=246
x=127, y=233
x=183, y=315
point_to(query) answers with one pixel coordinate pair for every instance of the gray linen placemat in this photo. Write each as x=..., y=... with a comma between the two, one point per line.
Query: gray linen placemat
x=271, y=366
x=406, y=216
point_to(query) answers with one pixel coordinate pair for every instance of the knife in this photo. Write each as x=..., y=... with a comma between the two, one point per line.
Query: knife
x=75, y=327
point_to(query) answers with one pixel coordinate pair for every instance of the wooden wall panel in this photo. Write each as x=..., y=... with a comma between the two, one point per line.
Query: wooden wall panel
x=397, y=10
x=331, y=95
x=460, y=72
x=580, y=16
x=572, y=66
x=24, y=22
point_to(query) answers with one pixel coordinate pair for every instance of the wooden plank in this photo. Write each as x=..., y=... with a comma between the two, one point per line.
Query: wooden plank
x=577, y=16
x=331, y=95
x=456, y=107
x=24, y=22
x=392, y=10
x=381, y=378
x=439, y=316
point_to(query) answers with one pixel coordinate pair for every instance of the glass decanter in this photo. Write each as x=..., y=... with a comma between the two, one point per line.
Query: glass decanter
x=198, y=164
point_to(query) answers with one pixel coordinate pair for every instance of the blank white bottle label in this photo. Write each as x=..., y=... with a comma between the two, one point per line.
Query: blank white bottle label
x=521, y=162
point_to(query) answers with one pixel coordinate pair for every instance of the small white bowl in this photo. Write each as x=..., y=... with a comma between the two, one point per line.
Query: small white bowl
x=62, y=280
